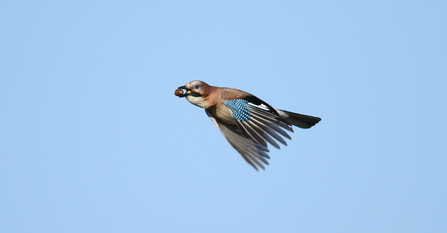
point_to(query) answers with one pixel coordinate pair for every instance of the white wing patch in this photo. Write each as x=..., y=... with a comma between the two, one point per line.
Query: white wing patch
x=261, y=106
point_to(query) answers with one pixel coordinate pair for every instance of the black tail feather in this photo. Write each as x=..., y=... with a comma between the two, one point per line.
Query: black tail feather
x=300, y=120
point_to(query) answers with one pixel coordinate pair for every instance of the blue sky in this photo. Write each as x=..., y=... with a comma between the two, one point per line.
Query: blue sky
x=92, y=138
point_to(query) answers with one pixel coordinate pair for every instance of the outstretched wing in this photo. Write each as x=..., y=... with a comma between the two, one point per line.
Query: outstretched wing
x=254, y=153
x=259, y=121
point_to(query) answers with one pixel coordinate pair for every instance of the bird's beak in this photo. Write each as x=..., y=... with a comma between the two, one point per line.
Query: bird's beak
x=187, y=91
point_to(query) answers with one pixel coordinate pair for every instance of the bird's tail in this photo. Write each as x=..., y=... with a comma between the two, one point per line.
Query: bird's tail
x=299, y=120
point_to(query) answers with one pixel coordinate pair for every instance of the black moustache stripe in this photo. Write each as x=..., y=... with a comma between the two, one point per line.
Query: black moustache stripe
x=195, y=94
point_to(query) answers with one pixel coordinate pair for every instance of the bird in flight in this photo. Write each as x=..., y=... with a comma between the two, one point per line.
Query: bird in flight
x=247, y=122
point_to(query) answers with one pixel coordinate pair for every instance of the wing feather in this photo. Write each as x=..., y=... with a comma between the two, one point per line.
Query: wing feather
x=272, y=125
x=270, y=132
x=253, y=153
x=251, y=132
x=262, y=131
x=269, y=116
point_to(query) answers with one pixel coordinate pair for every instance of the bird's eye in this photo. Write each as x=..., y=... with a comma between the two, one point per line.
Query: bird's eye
x=197, y=86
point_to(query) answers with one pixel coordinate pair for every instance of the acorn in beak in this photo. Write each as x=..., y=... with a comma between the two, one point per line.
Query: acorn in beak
x=179, y=92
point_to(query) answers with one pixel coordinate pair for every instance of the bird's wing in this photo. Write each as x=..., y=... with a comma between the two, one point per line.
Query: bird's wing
x=254, y=153
x=258, y=120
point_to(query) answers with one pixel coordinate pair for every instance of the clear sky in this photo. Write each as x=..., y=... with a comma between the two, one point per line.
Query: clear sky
x=92, y=138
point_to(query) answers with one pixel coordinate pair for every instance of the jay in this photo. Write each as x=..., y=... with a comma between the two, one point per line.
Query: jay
x=247, y=122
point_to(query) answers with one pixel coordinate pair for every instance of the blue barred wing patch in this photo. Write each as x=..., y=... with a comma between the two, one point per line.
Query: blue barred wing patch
x=239, y=109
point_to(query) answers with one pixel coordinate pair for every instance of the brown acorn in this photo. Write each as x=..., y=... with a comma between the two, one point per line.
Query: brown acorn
x=178, y=92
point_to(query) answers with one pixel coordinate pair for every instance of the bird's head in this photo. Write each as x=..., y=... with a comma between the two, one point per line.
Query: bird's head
x=195, y=92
